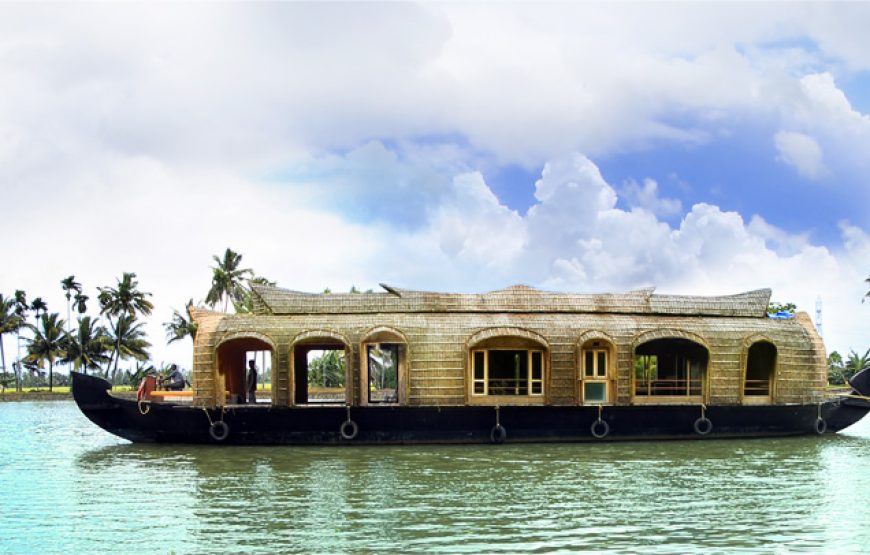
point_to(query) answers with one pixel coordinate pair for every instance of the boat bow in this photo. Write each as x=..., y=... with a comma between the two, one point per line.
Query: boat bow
x=92, y=392
x=860, y=382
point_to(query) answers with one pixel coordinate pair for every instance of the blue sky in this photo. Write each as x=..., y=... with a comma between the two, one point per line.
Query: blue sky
x=445, y=146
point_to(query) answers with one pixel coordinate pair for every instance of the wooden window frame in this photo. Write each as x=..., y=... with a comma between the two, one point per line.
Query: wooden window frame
x=529, y=398
x=598, y=376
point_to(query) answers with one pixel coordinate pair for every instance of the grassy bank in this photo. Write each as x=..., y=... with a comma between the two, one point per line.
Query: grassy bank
x=40, y=394
x=58, y=393
x=62, y=392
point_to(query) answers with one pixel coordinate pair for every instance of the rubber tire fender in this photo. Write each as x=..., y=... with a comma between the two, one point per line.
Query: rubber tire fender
x=593, y=429
x=820, y=426
x=219, y=430
x=343, y=430
x=498, y=434
x=703, y=426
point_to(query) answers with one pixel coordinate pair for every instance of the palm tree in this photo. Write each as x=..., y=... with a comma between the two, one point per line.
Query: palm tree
x=9, y=321
x=128, y=340
x=88, y=348
x=244, y=304
x=868, y=292
x=135, y=377
x=37, y=306
x=855, y=362
x=80, y=302
x=226, y=281
x=125, y=299
x=47, y=344
x=327, y=370
x=180, y=326
x=21, y=305
x=69, y=284
x=118, y=302
x=21, y=308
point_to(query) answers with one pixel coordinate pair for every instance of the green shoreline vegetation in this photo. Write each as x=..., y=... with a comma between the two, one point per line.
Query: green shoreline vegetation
x=98, y=343
x=63, y=393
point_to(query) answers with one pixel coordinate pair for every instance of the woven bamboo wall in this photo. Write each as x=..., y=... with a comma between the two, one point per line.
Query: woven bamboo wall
x=438, y=349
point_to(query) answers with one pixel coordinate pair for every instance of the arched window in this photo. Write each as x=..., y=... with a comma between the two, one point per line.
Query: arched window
x=234, y=358
x=673, y=367
x=760, y=369
x=383, y=367
x=507, y=369
x=595, y=372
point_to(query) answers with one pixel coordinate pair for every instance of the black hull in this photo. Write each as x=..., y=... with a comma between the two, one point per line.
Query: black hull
x=317, y=425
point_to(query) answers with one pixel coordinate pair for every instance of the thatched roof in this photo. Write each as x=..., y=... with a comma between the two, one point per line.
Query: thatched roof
x=515, y=299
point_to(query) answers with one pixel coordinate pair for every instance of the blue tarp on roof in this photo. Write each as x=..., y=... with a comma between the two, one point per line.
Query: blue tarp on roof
x=784, y=315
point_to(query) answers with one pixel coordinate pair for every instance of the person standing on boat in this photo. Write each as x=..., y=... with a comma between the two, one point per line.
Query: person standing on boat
x=252, y=381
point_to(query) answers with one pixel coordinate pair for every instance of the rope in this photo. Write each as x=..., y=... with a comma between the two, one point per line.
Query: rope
x=348, y=413
x=498, y=433
x=703, y=409
x=207, y=415
x=600, y=409
x=147, y=406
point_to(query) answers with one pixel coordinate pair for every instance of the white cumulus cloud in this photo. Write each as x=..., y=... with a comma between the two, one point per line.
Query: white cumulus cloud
x=575, y=238
x=802, y=152
x=346, y=144
x=646, y=196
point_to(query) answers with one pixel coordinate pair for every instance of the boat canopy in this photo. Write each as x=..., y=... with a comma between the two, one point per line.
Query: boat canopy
x=515, y=299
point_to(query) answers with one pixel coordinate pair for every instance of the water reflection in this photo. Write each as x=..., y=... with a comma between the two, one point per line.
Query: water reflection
x=676, y=496
x=76, y=489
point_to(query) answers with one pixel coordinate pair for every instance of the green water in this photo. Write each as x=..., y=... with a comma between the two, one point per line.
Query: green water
x=67, y=486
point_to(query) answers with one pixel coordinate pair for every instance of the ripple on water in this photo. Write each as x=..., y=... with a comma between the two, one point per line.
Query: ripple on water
x=69, y=487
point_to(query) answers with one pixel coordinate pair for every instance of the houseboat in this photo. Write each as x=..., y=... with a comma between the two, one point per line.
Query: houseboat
x=513, y=365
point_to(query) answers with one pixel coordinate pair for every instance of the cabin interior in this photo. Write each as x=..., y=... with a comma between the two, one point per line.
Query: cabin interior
x=233, y=357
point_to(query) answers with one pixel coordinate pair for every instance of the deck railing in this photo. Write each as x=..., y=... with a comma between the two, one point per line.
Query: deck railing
x=669, y=387
x=318, y=394
x=508, y=386
x=756, y=387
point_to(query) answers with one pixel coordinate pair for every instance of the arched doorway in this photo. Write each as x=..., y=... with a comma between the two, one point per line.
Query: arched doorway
x=383, y=367
x=760, y=371
x=234, y=358
x=321, y=368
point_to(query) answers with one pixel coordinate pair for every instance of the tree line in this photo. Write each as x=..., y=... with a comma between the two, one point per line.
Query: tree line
x=840, y=370
x=91, y=345
x=98, y=343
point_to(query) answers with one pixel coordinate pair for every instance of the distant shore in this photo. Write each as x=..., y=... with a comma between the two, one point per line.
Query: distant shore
x=58, y=393
x=13, y=396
